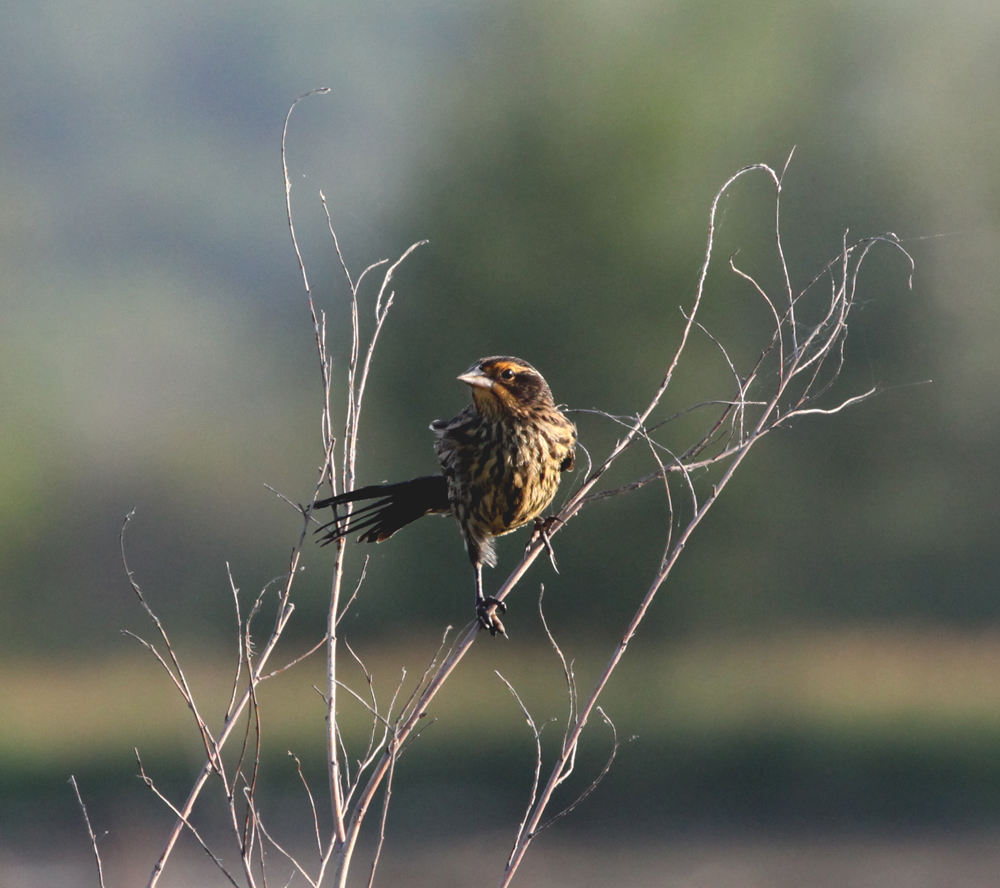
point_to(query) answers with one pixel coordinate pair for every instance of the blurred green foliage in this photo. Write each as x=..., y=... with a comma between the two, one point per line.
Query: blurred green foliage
x=561, y=158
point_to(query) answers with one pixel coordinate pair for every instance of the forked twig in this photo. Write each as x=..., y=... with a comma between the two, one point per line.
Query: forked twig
x=810, y=352
x=588, y=791
x=808, y=361
x=183, y=819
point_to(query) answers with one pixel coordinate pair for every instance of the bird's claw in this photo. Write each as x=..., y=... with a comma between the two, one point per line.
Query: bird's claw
x=541, y=529
x=544, y=525
x=487, y=613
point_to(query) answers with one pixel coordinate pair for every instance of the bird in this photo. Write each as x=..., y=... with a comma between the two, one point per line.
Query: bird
x=501, y=460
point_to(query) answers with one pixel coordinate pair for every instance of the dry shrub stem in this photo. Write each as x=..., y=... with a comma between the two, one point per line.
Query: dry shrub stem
x=792, y=373
x=90, y=831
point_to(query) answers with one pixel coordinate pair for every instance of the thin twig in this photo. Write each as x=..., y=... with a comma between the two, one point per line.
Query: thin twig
x=568, y=675
x=183, y=819
x=312, y=802
x=90, y=830
x=319, y=91
x=615, y=745
x=807, y=355
x=386, y=798
x=176, y=673
x=809, y=359
x=240, y=650
x=537, y=735
x=287, y=854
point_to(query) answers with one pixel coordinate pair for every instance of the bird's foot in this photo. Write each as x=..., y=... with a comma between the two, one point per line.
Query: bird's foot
x=487, y=613
x=542, y=528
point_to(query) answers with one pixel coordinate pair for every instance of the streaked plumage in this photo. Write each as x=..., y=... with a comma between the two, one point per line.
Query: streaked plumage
x=501, y=461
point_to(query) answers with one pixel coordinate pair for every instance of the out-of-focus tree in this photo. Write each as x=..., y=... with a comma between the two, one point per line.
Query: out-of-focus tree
x=560, y=156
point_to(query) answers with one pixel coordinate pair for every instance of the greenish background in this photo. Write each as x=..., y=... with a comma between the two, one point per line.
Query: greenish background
x=825, y=654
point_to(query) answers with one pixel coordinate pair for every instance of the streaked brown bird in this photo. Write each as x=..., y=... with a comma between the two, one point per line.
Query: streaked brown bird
x=501, y=461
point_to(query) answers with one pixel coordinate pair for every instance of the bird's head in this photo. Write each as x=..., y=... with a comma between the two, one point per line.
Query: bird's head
x=507, y=385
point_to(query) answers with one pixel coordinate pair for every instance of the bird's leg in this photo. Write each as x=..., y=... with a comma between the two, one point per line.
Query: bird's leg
x=541, y=529
x=488, y=608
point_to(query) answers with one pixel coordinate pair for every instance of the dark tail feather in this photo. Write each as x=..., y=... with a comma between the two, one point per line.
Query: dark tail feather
x=395, y=506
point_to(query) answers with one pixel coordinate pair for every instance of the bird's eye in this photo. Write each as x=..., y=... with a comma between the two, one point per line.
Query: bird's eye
x=507, y=374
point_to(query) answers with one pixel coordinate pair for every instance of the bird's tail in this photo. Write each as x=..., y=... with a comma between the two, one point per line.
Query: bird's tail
x=395, y=506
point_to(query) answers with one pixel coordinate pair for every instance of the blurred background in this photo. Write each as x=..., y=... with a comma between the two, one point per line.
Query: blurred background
x=815, y=697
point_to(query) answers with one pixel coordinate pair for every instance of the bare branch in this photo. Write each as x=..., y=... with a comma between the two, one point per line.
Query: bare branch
x=285, y=609
x=319, y=91
x=616, y=743
x=806, y=358
x=312, y=802
x=316, y=647
x=537, y=734
x=240, y=650
x=90, y=830
x=183, y=819
x=286, y=854
x=176, y=673
x=792, y=374
x=827, y=411
x=357, y=589
x=386, y=798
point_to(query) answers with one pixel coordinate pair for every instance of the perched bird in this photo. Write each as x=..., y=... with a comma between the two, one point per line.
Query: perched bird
x=501, y=461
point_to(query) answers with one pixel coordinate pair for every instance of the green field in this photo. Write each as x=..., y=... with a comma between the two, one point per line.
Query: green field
x=912, y=711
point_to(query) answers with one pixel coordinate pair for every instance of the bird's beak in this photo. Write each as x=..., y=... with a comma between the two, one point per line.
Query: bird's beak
x=476, y=378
